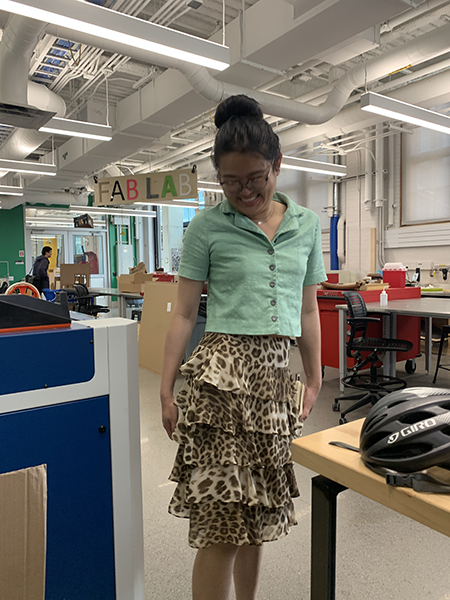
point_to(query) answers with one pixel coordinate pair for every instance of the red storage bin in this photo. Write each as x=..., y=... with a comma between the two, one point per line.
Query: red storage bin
x=395, y=275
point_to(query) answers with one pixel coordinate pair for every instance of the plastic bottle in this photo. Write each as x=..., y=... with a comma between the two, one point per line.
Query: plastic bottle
x=383, y=298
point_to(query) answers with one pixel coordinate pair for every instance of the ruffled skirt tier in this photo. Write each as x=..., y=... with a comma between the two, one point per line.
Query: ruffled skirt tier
x=237, y=418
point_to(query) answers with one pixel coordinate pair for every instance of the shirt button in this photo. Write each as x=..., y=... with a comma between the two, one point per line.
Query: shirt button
x=273, y=302
x=270, y=251
x=272, y=284
x=272, y=267
x=274, y=318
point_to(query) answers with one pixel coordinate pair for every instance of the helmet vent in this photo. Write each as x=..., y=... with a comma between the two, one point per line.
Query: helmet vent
x=378, y=437
x=404, y=451
x=446, y=430
x=415, y=417
x=445, y=405
x=396, y=403
x=375, y=422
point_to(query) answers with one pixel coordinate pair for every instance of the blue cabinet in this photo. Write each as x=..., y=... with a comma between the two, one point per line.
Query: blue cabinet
x=73, y=439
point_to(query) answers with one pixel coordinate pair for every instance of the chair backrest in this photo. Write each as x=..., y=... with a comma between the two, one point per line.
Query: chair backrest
x=81, y=291
x=356, y=310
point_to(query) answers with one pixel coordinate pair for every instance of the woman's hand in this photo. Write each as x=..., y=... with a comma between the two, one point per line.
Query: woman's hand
x=169, y=415
x=309, y=399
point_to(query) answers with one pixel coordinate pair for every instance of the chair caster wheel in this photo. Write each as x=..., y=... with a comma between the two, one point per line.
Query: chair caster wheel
x=342, y=421
x=410, y=366
x=336, y=406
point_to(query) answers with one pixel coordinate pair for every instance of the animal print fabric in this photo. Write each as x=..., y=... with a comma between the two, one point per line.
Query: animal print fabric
x=237, y=418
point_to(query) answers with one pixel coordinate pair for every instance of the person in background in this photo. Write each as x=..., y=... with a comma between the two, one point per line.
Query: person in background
x=40, y=269
x=236, y=414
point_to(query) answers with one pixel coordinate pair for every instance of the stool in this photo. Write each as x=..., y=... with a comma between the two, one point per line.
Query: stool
x=444, y=336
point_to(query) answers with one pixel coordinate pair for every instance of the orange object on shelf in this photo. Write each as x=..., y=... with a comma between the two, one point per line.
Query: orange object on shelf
x=23, y=288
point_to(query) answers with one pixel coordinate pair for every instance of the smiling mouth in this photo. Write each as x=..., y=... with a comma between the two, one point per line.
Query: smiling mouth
x=250, y=200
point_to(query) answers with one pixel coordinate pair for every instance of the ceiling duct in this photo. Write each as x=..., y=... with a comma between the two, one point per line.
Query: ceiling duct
x=20, y=37
x=19, y=115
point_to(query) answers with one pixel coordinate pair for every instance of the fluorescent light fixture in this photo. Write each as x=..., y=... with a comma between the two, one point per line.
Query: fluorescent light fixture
x=175, y=203
x=209, y=182
x=11, y=190
x=52, y=224
x=97, y=210
x=395, y=109
x=93, y=131
x=313, y=166
x=204, y=189
x=117, y=27
x=22, y=166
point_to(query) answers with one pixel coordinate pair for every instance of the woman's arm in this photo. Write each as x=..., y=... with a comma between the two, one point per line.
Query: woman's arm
x=177, y=339
x=309, y=346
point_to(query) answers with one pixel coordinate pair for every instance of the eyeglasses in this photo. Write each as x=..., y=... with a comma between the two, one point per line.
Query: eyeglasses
x=255, y=184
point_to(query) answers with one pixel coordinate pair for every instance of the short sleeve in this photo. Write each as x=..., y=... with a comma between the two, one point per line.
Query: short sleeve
x=315, y=269
x=194, y=263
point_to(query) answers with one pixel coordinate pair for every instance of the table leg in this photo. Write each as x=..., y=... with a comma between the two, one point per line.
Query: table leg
x=342, y=347
x=323, y=537
x=386, y=333
x=428, y=342
x=393, y=355
x=122, y=306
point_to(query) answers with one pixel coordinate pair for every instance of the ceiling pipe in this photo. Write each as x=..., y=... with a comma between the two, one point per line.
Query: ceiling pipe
x=24, y=141
x=353, y=117
x=429, y=45
x=425, y=47
x=20, y=37
x=411, y=14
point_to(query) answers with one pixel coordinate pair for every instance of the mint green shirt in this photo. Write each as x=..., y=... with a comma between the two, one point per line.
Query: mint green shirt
x=255, y=285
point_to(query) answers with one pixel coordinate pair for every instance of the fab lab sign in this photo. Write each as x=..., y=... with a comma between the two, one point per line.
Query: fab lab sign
x=148, y=188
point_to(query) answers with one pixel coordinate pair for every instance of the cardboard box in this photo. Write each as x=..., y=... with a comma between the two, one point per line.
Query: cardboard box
x=159, y=303
x=167, y=277
x=133, y=283
x=70, y=274
x=23, y=517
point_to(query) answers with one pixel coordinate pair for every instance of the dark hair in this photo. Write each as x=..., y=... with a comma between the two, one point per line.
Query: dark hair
x=242, y=128
x=46, y=249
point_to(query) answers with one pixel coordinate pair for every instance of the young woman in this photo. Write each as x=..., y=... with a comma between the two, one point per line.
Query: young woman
x=236, y=415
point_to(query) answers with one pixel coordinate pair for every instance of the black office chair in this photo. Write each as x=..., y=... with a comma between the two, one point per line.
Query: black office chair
x=372, y=386
x=86, y=301
x=444, y=335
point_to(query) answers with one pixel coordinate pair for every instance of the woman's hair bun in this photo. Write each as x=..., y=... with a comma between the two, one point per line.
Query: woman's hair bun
x=237, y=106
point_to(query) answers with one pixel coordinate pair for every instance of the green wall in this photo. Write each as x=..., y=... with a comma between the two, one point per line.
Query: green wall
x=12, y=241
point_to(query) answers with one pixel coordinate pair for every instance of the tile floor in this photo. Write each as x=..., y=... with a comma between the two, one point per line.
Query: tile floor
x=380, y=554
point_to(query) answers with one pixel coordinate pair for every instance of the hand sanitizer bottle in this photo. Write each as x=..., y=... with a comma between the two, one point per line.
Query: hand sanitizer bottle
x=383, y=298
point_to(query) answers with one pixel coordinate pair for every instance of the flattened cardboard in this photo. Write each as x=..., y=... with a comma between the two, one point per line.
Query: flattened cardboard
x=23, y=517
x=157, y=310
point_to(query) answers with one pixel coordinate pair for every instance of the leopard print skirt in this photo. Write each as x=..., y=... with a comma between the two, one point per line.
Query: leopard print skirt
x=237, y=418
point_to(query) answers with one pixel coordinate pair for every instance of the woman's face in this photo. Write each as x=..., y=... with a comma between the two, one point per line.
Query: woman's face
x=249, y=182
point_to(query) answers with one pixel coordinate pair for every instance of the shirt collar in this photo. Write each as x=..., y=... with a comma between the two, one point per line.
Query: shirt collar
x=291, y=218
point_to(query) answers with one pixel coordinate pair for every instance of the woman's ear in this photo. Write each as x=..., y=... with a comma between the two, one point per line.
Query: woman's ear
x=277, y=165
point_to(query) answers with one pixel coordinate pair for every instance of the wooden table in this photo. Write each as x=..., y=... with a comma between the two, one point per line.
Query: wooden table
x=342, y=469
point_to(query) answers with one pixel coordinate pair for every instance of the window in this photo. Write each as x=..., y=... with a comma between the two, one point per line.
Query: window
x=425, y=177
x=88, y=248
x=55, y=241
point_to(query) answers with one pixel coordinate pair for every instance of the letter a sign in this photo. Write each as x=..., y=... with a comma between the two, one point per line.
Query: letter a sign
x=148, y=188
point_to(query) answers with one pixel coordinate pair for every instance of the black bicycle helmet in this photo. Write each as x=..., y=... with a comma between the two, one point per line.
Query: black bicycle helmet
x=408, y=431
